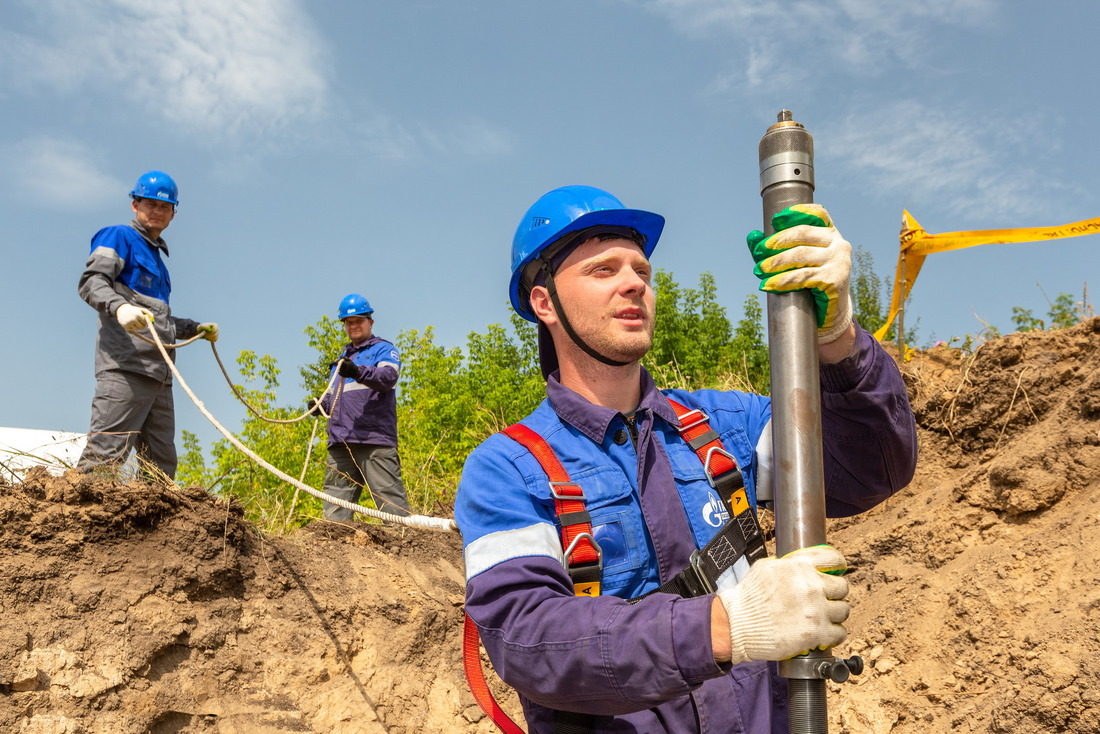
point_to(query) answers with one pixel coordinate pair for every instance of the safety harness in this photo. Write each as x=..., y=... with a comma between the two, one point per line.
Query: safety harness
x=740, y=538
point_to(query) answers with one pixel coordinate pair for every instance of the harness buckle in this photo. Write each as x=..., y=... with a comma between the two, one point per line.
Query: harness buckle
x=589, y=537
x=556, y=494
x=692, y=418
x=695, y=563
x=710, y=454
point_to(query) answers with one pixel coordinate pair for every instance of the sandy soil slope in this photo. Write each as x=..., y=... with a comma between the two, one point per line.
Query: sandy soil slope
x=976, y=591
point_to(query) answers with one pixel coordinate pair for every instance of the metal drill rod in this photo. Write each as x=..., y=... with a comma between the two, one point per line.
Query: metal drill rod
x=787, y=178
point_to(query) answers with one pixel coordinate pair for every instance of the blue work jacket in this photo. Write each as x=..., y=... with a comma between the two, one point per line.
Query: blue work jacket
x=366, y=410
x=126, y=266
x=649, y=667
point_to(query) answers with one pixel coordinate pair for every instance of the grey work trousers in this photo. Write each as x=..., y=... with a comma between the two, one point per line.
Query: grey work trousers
x=131, y=411
x=353, y=466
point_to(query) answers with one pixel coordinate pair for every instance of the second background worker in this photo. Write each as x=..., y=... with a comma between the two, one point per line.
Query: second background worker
x=362, y=427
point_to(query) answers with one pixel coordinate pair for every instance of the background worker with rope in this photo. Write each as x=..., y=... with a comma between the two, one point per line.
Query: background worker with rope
x=362, y=426
x=611, y=628
x=126, y=280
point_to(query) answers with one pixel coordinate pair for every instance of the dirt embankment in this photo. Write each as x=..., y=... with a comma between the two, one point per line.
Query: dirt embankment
x=976, y=592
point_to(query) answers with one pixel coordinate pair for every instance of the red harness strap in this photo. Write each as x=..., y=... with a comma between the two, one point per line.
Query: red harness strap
x=582, y=555
x=475, y=679
x=704, y=441
x=582, y=559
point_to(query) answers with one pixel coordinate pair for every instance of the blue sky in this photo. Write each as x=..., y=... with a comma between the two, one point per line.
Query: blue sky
x=391, y=148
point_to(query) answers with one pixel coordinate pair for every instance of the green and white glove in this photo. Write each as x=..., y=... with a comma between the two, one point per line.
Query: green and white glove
x=788, y=606
x=133, y=318
x=209, y=331
x=807, y=252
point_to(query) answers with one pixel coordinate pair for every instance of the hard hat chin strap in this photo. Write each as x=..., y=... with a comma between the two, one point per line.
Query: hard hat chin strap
x=553, y=291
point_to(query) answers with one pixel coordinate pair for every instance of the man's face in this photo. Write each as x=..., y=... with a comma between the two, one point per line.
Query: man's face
x=605, y=289
x=153, y=214
x=358, y=328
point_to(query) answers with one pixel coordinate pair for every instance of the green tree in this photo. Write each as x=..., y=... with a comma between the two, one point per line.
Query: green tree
x=450, y=402
x=750, y=368
x=1063, y=312
x=266, y=498
x=1025, y=320
x=866, y=292
x=695, y=346
x=451, y=399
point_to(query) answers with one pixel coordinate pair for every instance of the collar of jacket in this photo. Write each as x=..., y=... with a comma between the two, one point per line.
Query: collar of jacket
x=595, y=420
x=350, y=349
x=158, y=242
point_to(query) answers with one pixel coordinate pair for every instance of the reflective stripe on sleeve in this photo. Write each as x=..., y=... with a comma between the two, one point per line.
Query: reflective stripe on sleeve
x=540, y=539
x=764, y=489
x=107, y=253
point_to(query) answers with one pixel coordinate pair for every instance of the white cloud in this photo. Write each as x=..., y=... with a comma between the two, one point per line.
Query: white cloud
x=62, y=172
x=206, y=66
x=961, y=160
x=387, y=138
x=470, y=137
x=800, y=37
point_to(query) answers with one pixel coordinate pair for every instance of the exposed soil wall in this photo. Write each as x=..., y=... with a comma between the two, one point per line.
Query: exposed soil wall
x=976, y=591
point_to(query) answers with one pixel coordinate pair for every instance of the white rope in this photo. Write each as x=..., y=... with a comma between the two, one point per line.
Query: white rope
x=422, y=522
x=225, y=373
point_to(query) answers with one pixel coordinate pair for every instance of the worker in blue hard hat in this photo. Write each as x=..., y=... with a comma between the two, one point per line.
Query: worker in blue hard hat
x=362, y=426
x=126, y=280
x=614, y=567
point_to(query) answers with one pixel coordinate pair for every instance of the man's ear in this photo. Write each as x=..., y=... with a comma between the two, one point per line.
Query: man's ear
x=542, y=305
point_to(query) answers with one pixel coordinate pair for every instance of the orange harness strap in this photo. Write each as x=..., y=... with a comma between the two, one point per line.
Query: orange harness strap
x=582, y=557
x=582, y=554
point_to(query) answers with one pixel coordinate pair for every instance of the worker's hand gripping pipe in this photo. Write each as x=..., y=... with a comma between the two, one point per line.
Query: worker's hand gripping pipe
x=786, y=179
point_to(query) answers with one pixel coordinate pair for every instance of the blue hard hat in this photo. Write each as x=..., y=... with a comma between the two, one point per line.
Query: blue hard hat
x=354, y=304
x=562, y=212
x=156, y=185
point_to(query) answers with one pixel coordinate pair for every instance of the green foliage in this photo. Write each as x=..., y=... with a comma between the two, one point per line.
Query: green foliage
x=695, y=346
x=1063, y=312
x=869, y=306
x=451, y=399
x=449, y=403
x=266, y=498
x=327, y=339
x=1025, y=320
x=866, y=292
x=750, y=368
x=192, y=464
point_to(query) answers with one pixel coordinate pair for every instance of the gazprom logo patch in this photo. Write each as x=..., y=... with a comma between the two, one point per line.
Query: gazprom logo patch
x=714, y=511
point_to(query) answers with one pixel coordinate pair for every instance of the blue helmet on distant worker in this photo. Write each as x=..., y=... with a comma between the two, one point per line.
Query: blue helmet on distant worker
x=156, y=185
x=565, y=211
x=354, y=304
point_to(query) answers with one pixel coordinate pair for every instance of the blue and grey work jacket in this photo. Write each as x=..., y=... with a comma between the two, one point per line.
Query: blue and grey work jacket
x=125, y=266
x=650, y=666
x=366, y=410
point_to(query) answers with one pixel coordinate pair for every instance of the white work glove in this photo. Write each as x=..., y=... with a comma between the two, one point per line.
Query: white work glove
x=209, y=331
x=787, y=606
x=807, y=252
x=133, y=318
